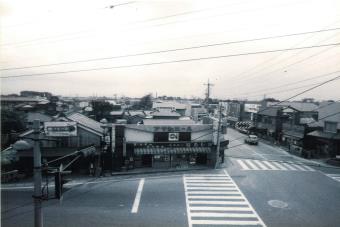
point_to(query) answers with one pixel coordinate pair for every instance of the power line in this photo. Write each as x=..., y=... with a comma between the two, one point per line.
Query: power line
x=173, y=50
x=168, y=62
x=288, y=84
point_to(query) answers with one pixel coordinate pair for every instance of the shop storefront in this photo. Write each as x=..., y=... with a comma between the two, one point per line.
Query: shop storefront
x=167, y=146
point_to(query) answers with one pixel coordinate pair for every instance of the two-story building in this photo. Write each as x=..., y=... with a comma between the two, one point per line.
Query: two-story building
x=325, y=141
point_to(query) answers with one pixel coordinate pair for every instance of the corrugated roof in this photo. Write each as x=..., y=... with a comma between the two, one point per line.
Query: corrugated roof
x=326, y=135
x=85, y=121
x=269, y=111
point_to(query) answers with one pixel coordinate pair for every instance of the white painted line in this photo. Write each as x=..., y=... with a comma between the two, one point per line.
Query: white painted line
x=270, y=165
x=259, y=163
x=208, y=181
x=210, y=178
x=212, y=188
x=233, y=192
x=298, y=167
x=279, y=166
x=217, y=202
x=309, y=168
x=242, y=164
x=288, y=166
x=186, y=202
x=251, y=164
x=213, y=197
x=138, y=195
x=245, y=198
x=228, y=215
x=222, y=222
x=333, y=174
x=207, y=184
x=208, y=208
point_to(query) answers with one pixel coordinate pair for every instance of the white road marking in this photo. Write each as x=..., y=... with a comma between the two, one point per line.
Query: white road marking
x=229, y=215
x=215, y=205
x=138, y=196
x=267, y=165
x=242, y=164
x=224, y=222
x=335, y=177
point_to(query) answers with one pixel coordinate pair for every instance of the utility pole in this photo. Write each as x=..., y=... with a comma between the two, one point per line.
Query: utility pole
x=218, y=135
x=37, y=198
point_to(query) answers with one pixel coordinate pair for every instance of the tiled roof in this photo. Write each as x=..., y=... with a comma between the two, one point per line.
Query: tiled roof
x=299, y=106
x=85, y=121
x=326, y=109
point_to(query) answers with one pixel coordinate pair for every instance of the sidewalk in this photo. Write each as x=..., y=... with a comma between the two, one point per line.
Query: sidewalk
x=80, y=179
x=316, y=162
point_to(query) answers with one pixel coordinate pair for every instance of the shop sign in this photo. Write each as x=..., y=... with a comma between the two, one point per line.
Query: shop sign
x=173, y=136
x=60, y=128
x=172, y=144
x=251, y=108
x=172, y=129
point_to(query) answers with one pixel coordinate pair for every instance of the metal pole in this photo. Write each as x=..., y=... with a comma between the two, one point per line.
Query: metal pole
x=38, y=218
x=218, y=136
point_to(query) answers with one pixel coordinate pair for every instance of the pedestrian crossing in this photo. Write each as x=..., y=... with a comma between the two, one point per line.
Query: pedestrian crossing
x=215, y=199
x=335, y=177
x=248, y=164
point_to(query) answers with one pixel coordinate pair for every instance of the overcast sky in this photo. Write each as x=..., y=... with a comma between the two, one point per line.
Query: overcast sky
x=47, y=32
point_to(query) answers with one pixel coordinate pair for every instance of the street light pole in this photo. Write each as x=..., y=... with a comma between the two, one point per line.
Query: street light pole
x=38, y=218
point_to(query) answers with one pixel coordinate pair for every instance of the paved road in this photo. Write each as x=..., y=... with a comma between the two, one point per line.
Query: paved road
x=243, y=193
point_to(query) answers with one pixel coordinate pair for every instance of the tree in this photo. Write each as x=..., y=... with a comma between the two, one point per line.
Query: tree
x=101, y=109
x=11, y=124
x=145, y=103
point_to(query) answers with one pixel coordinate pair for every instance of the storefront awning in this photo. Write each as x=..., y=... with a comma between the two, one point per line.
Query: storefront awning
x=172, y=150
x=325, y=135
x=293, y=134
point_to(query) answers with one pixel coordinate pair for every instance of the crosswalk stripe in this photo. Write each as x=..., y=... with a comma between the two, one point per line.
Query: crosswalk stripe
x=211, y=188
x=218, y=202
x=259, y=163
x=279, y=166
x=298, y=167
x=244, y=166
x=229, y=215
x=335, y=177
x=207, y=208
x=308, y=168
x=270, y=165
x=251, y=164
x=224, y=222
x=210, y=184
x=213, y=197
x=229, y=192
x=289, y=167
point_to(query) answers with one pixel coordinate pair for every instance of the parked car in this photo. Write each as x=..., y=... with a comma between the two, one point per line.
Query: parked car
x=252, y=139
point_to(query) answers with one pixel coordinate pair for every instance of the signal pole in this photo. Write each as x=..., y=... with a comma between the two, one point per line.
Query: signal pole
x=37, y=197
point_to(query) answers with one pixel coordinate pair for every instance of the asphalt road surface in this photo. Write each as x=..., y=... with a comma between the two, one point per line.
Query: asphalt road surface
x=258, y=186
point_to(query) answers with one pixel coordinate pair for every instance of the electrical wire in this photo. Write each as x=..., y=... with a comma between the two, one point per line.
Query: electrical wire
x=172, y=50
x=168, y=62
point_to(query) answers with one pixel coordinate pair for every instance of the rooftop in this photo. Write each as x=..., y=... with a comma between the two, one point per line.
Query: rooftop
x=168, y=122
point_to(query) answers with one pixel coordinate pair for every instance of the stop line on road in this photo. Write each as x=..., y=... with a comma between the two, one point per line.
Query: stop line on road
x=215, y=199
x=270, y=165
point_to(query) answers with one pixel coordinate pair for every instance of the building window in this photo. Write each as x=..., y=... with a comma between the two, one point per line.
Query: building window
x=330, y=126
